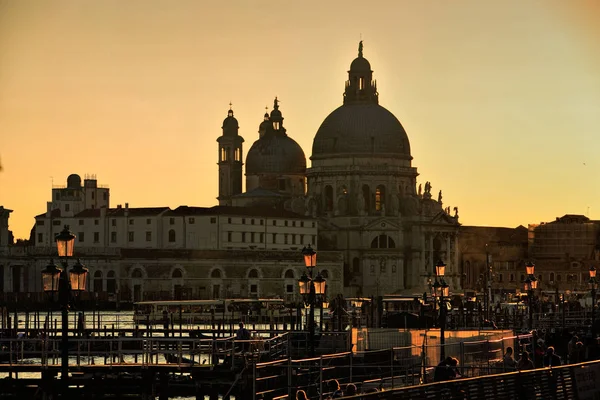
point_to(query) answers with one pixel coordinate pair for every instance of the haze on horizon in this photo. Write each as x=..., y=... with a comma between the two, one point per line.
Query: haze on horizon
x=500, y=100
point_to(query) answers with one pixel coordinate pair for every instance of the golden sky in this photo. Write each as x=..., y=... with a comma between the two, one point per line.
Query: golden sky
x=500, y=99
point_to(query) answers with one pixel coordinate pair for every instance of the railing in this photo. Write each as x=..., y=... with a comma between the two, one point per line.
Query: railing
x=143, y=351
x=569, y=382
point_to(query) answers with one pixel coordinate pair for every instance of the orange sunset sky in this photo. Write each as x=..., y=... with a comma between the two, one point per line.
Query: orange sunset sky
x=500, y=99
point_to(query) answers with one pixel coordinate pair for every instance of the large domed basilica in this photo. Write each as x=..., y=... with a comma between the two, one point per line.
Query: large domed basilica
x=361, y=187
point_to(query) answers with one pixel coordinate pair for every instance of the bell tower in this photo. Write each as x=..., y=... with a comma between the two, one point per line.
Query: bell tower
x=230, y=160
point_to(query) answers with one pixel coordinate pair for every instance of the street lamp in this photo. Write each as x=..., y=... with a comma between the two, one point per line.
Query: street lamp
x=56, y=280
x=593, y=287
x=444, y=291
x=312, y=290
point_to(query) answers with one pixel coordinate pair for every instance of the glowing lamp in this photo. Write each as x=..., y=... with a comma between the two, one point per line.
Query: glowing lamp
x=51, y=278
x=65, y=241
x=78, y=277
x=440, y=268
x=310, y=257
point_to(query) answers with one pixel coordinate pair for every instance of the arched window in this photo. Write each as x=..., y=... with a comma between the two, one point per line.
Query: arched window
x=522, y=278
x=367, y=197
x=355, y=265
x=171, y=236
x=558, y=278
x=383, y=242
x=216, y=273
x=325, y=274
x=137, y=273
x=379, y=197
x=328, y=198
x=552, y=277
x=111, y=282
x=253, y=274
x=177, y=274
x=98, y=281
x=289, y=274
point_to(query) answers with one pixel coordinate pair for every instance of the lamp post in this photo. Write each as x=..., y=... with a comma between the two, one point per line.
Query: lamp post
x=530, y=285
x=312, y=290
x=444, y=290
x=593, y=287
x=59, y=280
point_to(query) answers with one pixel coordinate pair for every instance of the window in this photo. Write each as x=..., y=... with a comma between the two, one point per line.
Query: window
x=177, y=274
x=243, y=237
x=289, y=288
x=148, y=221
x=262, y=237
x=229, y=236
x=252, y=237
x=383, y=242
x=372, y=270
x=328, y=198
x=104, y=196
x=93, y=196
x=289, y=274
x=137, y=274
x=171, y=221
x=216, y=273
x=228, y=220
x=40, y=237
x=274, y=238
x=131, y=222
x=113, y=222
x=382, y=267
x=98, y=281
x=394, y=268
x=293, y=239
x=551, y=276
x=244, y=221
x=81, y=237
x=379, y=197
x=252, y=221
x=191, y=220
x=253, y=274
x=111, y=282
x=293, y=223
x=558, y=278
x=56, y=222
x=253, y=288
x=130, y=235
x=67, y=207
x=40, y=223
x=113, y=237
x=274, y=223
x=512, y=277
x=80, y=222
x=213, y=220
x=285, y=239
x=171, y=236
x=285, y=223
x=261, y=222
x=96, y=222
x=301, y=224
x=500, y=277
x=355, y=265
x=96, y=237
x=148, y=236
x=313, y=224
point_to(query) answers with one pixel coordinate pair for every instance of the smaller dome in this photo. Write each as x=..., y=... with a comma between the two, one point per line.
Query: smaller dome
x=360, y=64
x=230, y=125
x=74, y=181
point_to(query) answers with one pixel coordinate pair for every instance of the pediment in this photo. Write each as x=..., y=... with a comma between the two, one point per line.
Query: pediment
x=382, y=223
x=442, y=218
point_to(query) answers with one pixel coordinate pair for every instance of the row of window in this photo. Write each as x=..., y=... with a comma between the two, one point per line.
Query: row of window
x=250, y=237
x=191, y=221
x=570, y=278
x=172, y=236
x=382, y=269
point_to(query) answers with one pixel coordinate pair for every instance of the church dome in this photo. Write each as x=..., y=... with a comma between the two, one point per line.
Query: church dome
x=361, y=126
x=275, y=154
x=361, y=129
